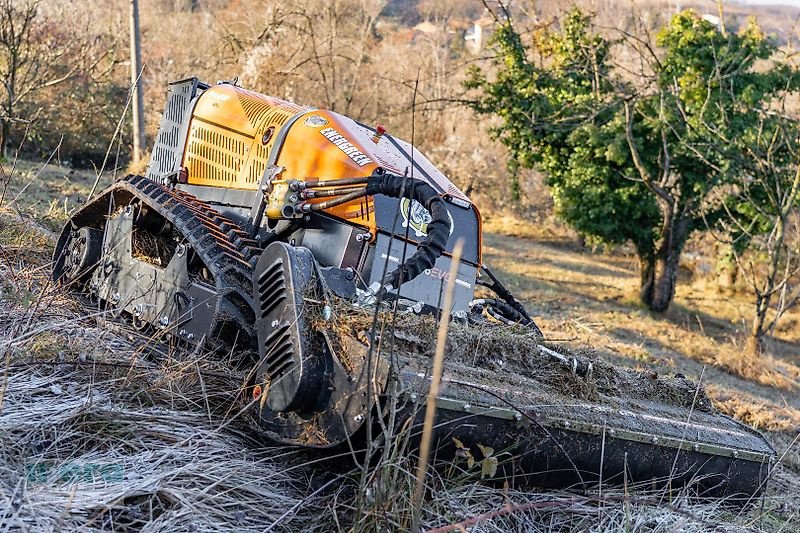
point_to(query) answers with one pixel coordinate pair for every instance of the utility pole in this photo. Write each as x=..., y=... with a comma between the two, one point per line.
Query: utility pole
x=136, y=84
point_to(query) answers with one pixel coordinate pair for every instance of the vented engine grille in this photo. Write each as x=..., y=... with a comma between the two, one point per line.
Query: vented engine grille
x=260, y=108
x=214, y=154
x=277, y=348
x=289, y=361
x=168, y=148
x=264, y=112
x=230, y=144
x=279, y=353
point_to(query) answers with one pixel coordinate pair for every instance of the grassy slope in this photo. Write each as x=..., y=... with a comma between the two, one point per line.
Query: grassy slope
x=186, y=466
x=46, y=192
x=591, y=298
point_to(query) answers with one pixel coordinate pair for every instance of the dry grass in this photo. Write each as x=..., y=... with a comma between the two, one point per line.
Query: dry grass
x=81, y=450
x=544, y=227
x=47, y=192
x=101, y=429
x=590, y=298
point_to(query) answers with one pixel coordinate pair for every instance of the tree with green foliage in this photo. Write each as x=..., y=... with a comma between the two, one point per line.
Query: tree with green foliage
x=634, y=157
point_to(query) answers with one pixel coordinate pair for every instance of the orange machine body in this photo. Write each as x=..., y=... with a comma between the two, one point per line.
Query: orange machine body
x=235, y=134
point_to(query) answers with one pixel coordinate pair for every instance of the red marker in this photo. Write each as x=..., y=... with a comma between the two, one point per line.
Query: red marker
x=379, y=131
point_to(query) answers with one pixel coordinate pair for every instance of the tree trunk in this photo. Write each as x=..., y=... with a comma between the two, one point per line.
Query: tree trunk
x=758, y=332
x=647, y=272
x=658, y=279
x=664, y=279
x=726, y=269
x=659, y=270
x=726, y=279
x=5, y=134
x=755, y=342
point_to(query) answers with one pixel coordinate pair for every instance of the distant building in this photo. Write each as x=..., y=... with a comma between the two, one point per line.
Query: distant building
x=712, y=19
x=476, y=36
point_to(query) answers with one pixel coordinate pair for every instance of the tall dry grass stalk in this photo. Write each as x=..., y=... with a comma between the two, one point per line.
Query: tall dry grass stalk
x=436, y=378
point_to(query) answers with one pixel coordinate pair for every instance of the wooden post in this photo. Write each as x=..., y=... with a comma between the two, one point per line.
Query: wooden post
x=136, y=84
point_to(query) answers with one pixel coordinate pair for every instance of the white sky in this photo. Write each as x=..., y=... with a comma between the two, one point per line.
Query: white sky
x=794, y=3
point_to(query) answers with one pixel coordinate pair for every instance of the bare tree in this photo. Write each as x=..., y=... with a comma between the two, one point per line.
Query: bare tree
x=770, y=267
x=319, y=49
x=763, y=227
x=37, y=52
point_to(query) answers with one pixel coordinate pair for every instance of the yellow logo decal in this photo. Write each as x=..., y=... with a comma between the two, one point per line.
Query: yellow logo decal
x=417, y=217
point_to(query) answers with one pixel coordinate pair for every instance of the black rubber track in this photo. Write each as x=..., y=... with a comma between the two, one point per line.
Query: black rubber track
x=225, y=249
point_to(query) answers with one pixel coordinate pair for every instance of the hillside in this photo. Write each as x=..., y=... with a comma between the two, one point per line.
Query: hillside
x=109, y=427
x=103, y=429
x=272, y=48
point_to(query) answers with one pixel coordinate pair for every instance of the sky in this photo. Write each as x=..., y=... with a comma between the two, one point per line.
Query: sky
x=794, y=3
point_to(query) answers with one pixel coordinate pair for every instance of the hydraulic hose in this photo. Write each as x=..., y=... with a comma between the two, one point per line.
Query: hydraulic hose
x=505, y=313
x=432, y=247
x=500, y=290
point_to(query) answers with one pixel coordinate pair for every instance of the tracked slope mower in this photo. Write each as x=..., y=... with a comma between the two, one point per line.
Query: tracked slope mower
x=267, y=227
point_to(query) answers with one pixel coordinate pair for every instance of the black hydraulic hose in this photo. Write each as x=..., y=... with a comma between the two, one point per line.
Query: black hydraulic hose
x=508, y=312
x=500, y=290
x=432, y=247
x=504, y=312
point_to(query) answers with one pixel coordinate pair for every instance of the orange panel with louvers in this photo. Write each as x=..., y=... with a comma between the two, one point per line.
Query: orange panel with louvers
x=227, y=145
x=215, y=156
